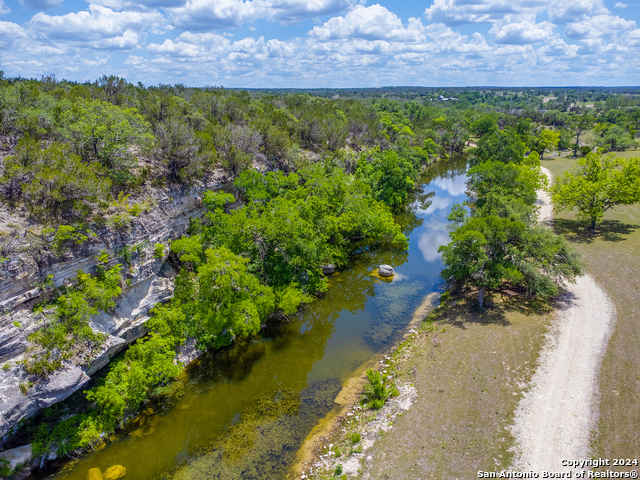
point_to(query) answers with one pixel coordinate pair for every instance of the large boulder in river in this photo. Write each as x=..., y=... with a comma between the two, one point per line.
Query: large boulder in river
x=328, y=269
x=386, y=271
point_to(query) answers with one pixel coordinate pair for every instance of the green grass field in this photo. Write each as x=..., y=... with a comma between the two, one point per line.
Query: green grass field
x=612, y=257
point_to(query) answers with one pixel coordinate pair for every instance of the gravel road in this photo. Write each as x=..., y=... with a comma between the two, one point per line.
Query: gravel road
x=555, y=418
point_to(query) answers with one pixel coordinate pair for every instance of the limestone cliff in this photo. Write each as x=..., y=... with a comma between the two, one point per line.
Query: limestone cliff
x=148, y=282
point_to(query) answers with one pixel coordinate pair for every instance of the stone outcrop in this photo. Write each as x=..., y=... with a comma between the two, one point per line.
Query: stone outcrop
x=148, y=282
x=94, y=474
x=17, y=456
x=328, y=269
x=386, y=271
x=20, y=399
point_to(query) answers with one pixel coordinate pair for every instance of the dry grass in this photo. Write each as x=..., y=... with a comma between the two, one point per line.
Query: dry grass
x=469, y=370
x=612, y=256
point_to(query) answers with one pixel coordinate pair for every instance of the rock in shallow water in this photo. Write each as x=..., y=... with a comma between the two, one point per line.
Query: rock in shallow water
x=94, y=474
x=386, y=271
x=328, y=269
x=114, y=472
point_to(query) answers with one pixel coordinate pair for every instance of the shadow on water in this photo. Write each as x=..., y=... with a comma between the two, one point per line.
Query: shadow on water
x=243, y=411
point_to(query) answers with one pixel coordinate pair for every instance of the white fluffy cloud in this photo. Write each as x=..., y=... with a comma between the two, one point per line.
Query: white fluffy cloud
x=134, y=5
x=10, y=33
x=370, y=23
x=454, y=12
x=598, y=26
x=521, y=33
x=100, y=27
x=571, y=11
x=197, y=42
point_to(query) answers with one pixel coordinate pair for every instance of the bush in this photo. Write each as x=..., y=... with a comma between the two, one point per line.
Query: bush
x=158, y=250
x=377, y=391
x=66, y=234
x=67, y=331
x=5, y=469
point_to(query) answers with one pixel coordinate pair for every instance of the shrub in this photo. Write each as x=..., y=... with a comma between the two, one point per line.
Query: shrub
x=377, y=391
x=5, y=468
x=66, y=234
x=158, y=250
x=67, y=331
x=354, y=438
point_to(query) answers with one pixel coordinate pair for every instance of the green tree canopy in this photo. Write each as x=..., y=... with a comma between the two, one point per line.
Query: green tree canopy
x=597, y=183
x=487, y=251
x=104, y=131
x=547, y=140
x=54, y=184
x=505, y=189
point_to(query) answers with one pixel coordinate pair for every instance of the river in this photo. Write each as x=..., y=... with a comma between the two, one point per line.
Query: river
x=244, y=411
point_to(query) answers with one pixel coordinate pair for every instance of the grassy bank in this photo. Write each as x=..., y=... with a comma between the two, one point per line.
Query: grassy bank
x=612, y=257
x=469, y=370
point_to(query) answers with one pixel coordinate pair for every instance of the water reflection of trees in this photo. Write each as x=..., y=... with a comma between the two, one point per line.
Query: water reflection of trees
x=456, y=165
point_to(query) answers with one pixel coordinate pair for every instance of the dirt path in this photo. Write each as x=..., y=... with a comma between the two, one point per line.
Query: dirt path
x=555, y=418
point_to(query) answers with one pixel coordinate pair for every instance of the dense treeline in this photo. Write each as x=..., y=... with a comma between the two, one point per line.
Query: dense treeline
x=87, y=158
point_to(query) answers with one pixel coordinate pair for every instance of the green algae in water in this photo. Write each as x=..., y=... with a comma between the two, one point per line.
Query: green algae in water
x=264, y=442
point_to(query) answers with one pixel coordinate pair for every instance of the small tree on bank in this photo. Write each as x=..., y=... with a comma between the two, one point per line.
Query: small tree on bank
x=596, y=184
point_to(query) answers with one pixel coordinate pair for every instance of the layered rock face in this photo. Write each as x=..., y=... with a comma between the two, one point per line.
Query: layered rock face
x=148, y=282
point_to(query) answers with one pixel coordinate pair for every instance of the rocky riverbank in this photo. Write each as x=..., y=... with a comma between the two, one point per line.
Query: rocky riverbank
x=147, y=281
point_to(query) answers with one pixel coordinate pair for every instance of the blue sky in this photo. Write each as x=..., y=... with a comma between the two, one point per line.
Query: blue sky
x=325, y=43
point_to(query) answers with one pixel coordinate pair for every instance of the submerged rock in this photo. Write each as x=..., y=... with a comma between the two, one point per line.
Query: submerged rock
x=94, y=474
x=114, y=472
x=386, y=271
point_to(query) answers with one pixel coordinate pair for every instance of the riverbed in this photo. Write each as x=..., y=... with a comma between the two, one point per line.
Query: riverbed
x=244, y=411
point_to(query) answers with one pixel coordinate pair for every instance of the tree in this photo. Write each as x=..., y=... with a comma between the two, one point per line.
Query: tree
x=596, y=184
x=580, y=124
x=500, y=145
x=484, y=125
x=53, y=183
x=547, y=140
x=391, y=177
x=229, y=300
x=486, y=252
x=105, y=132
x=187, y=153
x=506, y=189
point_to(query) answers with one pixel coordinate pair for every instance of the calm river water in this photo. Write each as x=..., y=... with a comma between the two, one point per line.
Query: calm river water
x=244, y=411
